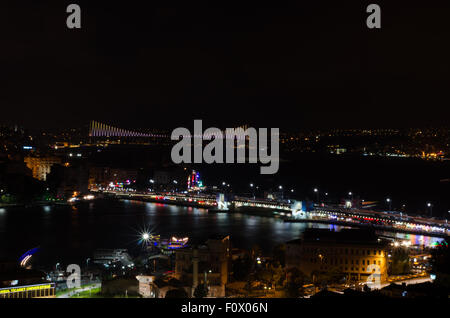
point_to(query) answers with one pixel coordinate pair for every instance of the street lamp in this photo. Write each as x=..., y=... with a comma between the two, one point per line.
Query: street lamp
x=317, y=194
x=431, y=208
x=388, y=200
x=206, y=279
x=351, y=195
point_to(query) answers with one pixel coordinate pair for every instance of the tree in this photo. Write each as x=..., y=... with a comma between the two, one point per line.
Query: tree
x=271, y=274
x=400, y=262
x=201, y=291
x=242, y=268
x=279, y=254
x=325, y=278
x=440, y=264
x=295, y=282
x=176, y=293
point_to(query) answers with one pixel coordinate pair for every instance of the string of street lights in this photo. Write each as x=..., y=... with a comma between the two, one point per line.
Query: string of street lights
x=389, y=201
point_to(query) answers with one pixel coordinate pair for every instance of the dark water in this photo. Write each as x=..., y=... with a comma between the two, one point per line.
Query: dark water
x=71, y=234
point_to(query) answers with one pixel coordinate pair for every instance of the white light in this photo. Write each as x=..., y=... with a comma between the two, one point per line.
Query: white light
x=145, y=236
x=315, y=190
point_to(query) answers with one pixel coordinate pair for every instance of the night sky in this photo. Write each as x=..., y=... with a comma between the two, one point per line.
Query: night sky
x=293, y=65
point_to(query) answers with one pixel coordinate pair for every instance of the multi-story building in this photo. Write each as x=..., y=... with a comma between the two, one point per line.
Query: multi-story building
x=40, y=166
x=355, y=253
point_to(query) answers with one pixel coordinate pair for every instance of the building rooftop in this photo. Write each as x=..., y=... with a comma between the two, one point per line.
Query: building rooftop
x=352, y=236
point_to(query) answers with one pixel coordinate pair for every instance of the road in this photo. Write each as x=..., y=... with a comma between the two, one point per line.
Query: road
x=411, y=281
x=82, y=289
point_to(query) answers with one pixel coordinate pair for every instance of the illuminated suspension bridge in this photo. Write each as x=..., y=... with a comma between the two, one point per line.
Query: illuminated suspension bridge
x=98, y=129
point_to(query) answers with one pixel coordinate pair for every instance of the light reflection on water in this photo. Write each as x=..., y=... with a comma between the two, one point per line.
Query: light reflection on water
x=72, y=233
x=419, y=239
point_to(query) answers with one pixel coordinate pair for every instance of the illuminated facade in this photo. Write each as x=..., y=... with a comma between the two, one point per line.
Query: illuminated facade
x=354, y=253
x=40, y=166
x=29, y=291
x=194, y=182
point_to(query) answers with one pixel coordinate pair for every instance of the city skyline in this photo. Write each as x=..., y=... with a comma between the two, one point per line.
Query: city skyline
x=232, y=152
